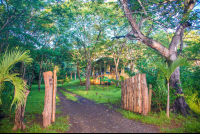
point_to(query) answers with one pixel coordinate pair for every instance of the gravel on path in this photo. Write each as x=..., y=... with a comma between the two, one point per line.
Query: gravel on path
x=86, y=116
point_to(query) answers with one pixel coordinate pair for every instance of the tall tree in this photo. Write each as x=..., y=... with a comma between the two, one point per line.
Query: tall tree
x=166, y=14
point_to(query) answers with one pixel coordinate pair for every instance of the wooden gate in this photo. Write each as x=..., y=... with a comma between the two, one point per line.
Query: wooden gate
x=134, y=94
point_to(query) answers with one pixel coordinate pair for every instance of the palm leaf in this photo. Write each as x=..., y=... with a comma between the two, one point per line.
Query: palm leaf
x=175, y=64
x=9, y=59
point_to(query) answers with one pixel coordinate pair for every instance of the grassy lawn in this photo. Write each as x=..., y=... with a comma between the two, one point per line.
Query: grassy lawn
x=174, y=124
x=33, y=116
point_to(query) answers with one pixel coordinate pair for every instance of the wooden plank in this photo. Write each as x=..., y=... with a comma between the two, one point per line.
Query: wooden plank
x=150, y=95
x=47, y=113
x=135, y=94
x=125, y=101
x=54, y=95
x=139, y=94
x=144, y=94
x=131, y=93
x=122, y=94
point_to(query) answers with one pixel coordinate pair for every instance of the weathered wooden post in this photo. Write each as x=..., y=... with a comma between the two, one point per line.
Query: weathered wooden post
x=47, y=113
x=19, y=113
x=54, y=95
x=145, y=100
x=150, y=95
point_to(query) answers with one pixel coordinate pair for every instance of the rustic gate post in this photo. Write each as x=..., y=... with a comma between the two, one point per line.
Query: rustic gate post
x=145, y=104
x=150, y=95
x=19, y=113
x=54, y=95
x=47, y=113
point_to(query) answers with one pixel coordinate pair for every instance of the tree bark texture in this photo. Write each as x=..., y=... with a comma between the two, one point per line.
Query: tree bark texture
x=88, y=77
x=75, y=75
x=47, y=112
x=54, y=95
x=32, y=76
x=40, y=74
x=117, y=76
x=78, y=73
x=19, y=113
x=170, y=54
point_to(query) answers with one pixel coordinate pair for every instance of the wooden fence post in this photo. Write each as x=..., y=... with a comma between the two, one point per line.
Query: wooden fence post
x=150, y=95
x=47, y=113
x=54, y=95
x=144, y=95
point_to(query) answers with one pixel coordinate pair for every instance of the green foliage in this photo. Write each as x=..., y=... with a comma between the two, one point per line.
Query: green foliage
x=35, y=107
x=8, y=60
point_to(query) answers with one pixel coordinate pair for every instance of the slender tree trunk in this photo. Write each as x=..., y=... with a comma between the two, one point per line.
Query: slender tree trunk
x=93, y=75
x=117, y=76
x=22, y=70
x=78, y=73
x=31, y=81
x=88, y=77
x=132, y=66
x=71, y=75
x=40, y=74
x=167, y=110
x=75, y=75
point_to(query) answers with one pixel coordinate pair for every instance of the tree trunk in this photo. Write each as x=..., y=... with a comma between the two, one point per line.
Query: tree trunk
x=47, y=113
x=19, y=113
x=22, y=70
x=40, y=74
x=170, y=54
x=117, y=77
x=78, y=73
x=93, y=75
x=179, y=104
x=31, y=81
x=88, y=77
x=71, y=75
x=75, y=75
x=132, y=66
x=167, y=110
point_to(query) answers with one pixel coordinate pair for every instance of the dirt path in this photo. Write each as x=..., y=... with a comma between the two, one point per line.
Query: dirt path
x=87, y=117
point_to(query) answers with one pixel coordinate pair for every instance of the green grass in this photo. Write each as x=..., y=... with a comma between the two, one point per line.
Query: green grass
x=174, y=124
x=96, y=92
x=69, y=96
x=34, y=108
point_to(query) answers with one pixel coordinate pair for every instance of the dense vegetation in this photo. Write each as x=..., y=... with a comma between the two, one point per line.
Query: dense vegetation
x=73, y=35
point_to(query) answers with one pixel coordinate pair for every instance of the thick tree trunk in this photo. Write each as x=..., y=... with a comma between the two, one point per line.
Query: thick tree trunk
x=88, y=77
x=179, y=104
x=19, y=113
x=78, y=73
x=40, y=74
x=170, y=54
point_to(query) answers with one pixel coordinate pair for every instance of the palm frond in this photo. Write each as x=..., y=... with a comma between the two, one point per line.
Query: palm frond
x=11, y=58
x=19, y=85
x=175, y=64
